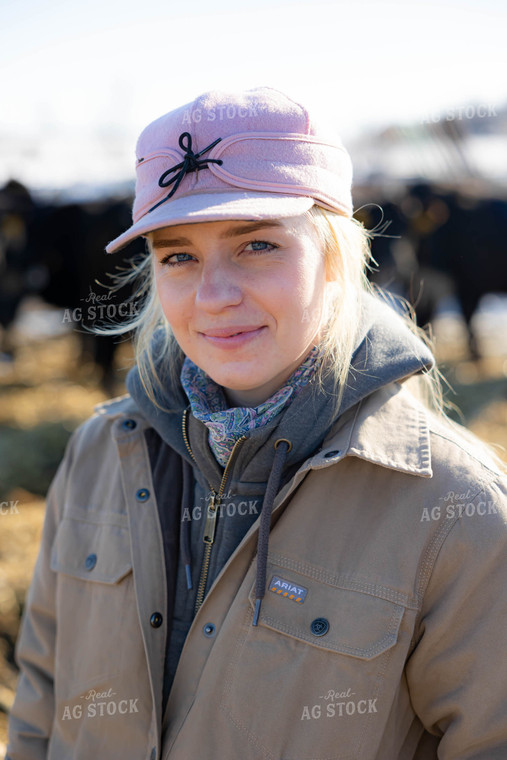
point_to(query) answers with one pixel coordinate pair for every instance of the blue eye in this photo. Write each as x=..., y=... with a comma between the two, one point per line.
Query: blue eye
x=260, y=246
x=173, y=259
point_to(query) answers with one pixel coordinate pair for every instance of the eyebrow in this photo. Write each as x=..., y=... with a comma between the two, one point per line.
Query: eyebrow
x=230, y=232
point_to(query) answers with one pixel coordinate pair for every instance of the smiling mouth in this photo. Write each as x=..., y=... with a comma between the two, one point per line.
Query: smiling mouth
x=227, y=333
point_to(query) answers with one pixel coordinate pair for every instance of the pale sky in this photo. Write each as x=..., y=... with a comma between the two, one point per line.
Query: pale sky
x=79, y=80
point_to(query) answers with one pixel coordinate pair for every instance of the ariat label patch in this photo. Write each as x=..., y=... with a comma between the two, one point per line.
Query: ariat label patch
x=288, y=589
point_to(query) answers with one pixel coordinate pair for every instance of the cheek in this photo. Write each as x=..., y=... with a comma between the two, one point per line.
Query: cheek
x=172, y=300
x=163, y=294
x=300, y=306
x=312, y=287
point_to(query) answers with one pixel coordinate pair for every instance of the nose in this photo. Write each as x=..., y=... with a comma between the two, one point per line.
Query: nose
x=218, y=288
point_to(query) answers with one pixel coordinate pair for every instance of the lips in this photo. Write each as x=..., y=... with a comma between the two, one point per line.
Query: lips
x=234, y=337
x=230, y=332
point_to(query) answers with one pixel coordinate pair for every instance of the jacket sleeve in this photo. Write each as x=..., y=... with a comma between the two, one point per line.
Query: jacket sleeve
x=457, y=673
x=32, y=713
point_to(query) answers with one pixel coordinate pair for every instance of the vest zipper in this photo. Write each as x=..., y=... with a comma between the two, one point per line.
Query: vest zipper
x=211, y=513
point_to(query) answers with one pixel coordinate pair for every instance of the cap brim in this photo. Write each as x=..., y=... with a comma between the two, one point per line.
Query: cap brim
x=214, y=207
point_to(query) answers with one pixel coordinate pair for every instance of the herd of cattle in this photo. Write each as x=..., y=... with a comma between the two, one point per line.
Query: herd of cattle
x=437, y=244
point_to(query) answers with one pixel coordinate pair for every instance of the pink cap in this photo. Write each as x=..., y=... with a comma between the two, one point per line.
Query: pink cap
x=252, y=155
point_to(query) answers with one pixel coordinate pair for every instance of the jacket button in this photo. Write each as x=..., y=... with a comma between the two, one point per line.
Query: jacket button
x=90, y=561
x=156, y=620
x=129, y=424
x=143, y=494
x=330, y=454
x=209, y=630
x=319, y=626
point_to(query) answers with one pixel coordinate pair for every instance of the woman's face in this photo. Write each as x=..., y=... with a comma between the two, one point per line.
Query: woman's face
x=244, y=299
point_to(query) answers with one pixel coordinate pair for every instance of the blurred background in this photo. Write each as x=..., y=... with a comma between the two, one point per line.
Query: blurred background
x=417, y=91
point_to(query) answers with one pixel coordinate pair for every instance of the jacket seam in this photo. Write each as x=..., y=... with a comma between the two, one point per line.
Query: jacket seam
x=429, y=561
x=105, y=521
x=138, y=439
x=343, y=582
x=455, y=442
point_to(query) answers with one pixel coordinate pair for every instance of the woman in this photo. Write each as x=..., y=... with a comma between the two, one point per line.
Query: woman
x=271, y=547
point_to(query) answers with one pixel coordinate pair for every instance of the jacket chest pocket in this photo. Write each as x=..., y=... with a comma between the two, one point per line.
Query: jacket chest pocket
x=92, y=551
x=95, y=599
x=308, y=682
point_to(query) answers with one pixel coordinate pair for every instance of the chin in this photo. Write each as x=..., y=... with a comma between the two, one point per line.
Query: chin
x=241, y=378
x=239, y=384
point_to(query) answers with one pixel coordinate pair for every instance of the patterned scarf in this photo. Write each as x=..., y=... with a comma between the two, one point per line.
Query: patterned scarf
x=209, y=405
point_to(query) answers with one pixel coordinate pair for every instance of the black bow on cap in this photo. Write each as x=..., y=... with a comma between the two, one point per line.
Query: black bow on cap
x=192, y=162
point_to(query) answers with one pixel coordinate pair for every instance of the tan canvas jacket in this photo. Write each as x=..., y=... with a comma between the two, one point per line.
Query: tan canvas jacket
x=382, y=633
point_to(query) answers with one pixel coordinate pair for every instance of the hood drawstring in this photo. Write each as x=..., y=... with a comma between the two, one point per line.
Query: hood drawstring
x=282, y=448
x=186, y=512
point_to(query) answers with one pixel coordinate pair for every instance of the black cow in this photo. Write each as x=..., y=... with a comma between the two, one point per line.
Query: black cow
x=471, y=248
x=18, y=270
x=62, y=259
x=443, y=244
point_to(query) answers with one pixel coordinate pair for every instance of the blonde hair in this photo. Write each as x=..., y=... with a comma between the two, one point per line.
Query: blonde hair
x=346, y=246
x=347, y=249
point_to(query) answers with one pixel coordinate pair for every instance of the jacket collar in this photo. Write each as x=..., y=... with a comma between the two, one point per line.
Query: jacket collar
x=389, y=428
